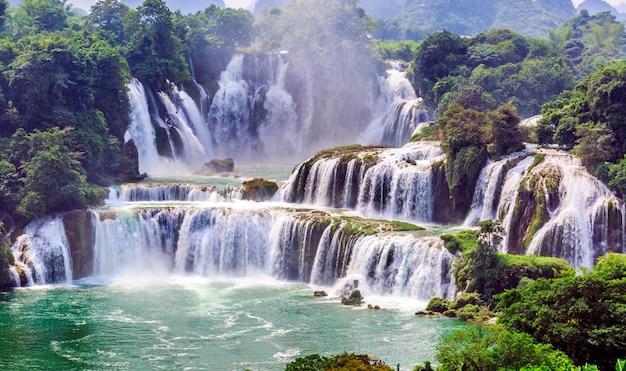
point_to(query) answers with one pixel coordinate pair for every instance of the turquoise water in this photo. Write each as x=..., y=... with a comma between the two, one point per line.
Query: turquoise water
x=176, y=323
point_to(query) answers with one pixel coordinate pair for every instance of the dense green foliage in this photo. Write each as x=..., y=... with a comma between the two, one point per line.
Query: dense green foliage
x=582, y=315
x=468, y=137
x=482, y=270
x=341, y=362
x=6, y=260
x=64, y=106
x=589, y=42
x=490, y=69
x=591, y=120
x=489, y=348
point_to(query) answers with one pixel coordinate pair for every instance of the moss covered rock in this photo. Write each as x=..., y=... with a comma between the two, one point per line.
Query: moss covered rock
x=81, y=238
x=6, y=261
x=259, y=189
x=216, y=166
x=537, y=195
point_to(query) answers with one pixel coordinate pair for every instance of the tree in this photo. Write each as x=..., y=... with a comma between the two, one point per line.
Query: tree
x=487, y=348
x=39, y=16
x=596, y=144
x=582, y=315
x=439, y=55
x=107, y=17
x=507, y=137
x=155, y=52
x=53, y=180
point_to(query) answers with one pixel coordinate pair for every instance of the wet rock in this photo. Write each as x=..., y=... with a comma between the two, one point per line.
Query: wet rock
x=259, y=189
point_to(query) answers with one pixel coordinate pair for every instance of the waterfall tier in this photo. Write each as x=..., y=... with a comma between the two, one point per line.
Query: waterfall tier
x=245, y=240
x=549, y=205
x=382, y=183
x=261, y=112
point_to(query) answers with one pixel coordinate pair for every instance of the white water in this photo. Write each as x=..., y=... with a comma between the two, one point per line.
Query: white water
x=253, y=117
x=397, y=113
x=141, y=130
x=398, y=186
x=570, y=231
x=173, y=192
x=577, y=230
x=43, y=253
x=240, y=240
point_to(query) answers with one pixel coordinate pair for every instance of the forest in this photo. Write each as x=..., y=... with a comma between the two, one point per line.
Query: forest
x=64, y=112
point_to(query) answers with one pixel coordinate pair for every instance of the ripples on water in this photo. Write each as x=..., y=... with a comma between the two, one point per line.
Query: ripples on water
x=192, y=323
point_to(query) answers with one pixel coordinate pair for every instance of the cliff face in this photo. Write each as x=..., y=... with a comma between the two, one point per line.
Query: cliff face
x=81, y=238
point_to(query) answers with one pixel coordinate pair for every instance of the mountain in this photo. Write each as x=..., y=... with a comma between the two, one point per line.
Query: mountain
x=470, y=17
x=598, y=6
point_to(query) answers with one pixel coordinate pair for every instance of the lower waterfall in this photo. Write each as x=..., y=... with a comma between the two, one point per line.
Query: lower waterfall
x=42, y=254
x=244, y=240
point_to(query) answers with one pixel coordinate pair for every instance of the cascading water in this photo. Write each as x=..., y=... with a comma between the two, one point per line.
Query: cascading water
x=141, y=130
x=571, y=231
x=186, y=118
x=174, y=192
x=253, y=116
x=397, y=112
x=240, y=240
x=496, y=185
x=42, y=254
x=556, y=208
x=398, y=185
x=404, y=266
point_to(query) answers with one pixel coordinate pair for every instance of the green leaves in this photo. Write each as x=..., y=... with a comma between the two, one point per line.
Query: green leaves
x=581, y=315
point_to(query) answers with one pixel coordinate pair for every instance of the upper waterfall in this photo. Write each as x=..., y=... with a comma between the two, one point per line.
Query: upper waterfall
x=259, y=113
x=397, y=112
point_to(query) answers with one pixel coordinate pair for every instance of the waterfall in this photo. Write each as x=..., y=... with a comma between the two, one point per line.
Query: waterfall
x=183, y=115
x=141, y=130
x=403, y=265
x=571, y=231
x=495, y=181
x=397, y=112
x=175, y=192
x=398, y=186
x=254, y=115
x=243, y=240
x=554, y=209
x=42, y=254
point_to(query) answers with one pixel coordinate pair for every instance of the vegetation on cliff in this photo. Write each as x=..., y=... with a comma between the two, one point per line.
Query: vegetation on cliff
x=64, y=107
x=590, y=120
x=492, y=68
x=468, y=137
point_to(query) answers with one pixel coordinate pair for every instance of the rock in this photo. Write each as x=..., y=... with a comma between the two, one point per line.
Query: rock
x=259, y=189
x=426, y=313
x=81, y=238
x=214, y=166
x=374, y=307
x=355, y=299
x=320, y=294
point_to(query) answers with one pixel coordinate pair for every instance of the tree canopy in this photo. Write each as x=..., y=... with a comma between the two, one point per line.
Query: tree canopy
x=582, y=315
